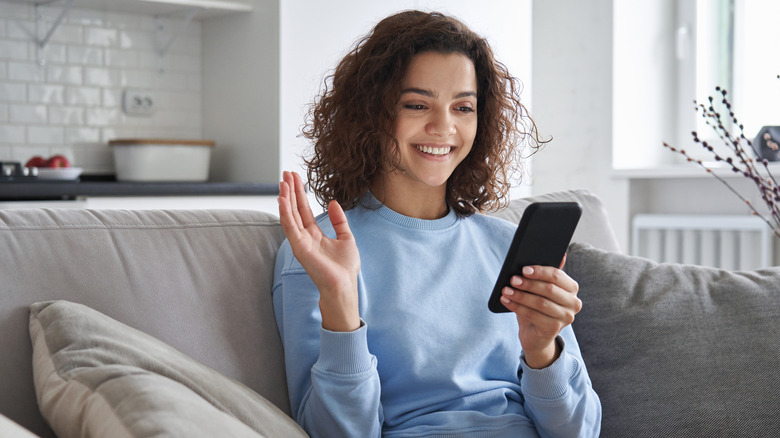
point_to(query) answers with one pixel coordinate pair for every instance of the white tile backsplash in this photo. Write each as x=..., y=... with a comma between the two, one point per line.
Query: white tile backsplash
x=13, y=49
x=82, y=135
x=44, y=93
x=63, y=115
x=100, y=37
x=12, y=134
x=65, y=74
x=66, y=34
x=85, y=96
x=11, y=92
x=27, y=114
x=67, y=97
x=85, y=55
x=17, y=11
x=102, y=77
x=26, y=72
x=51, y=135
x=86, y=17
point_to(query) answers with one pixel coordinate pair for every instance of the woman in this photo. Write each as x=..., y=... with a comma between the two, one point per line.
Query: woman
x=381, y=302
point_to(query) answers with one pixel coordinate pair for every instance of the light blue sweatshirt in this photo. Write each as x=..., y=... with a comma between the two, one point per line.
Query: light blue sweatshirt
x=430, y=359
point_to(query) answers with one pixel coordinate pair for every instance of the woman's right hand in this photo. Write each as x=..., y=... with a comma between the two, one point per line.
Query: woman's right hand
x=333, y=264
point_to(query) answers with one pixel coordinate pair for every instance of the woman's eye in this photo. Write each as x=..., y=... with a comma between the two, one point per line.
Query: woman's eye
x=413, y=106
x=465, y=109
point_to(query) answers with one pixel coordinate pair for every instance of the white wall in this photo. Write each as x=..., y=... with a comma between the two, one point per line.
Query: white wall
x=572, y=88
x=241, y=93
x=315, y=35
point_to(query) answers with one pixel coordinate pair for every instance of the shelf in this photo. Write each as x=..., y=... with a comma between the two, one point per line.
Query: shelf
x=684, y=171
x=207, y=8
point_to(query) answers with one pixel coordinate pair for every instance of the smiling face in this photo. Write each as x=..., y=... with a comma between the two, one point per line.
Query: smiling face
x=435, y=127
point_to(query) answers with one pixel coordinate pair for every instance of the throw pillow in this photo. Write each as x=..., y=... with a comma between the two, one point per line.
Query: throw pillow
x=95, y=376
x=679, y=350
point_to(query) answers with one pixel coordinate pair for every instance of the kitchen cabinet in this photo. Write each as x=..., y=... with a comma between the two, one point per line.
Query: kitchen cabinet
x=206, y=8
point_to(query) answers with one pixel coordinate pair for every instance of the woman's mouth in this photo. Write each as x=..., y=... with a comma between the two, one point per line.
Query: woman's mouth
x=434, y=150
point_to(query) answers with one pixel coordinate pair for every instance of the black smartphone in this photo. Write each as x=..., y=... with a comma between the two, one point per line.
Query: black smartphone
x=541, y=238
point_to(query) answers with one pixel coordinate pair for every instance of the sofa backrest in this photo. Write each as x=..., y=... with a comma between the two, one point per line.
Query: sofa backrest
x=594, y=227
x=198, y=280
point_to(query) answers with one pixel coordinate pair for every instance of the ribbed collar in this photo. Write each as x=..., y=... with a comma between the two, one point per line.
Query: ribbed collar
x=369, y=202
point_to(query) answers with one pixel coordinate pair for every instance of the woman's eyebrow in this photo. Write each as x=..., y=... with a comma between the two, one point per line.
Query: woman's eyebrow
x=429, y=93
x=466, y=94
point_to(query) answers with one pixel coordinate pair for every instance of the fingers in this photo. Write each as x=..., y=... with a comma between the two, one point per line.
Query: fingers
x=543, y=292
x=548, y=274
x=302, y=202
x=295, y=213
x=339, y=221
x=288, y=214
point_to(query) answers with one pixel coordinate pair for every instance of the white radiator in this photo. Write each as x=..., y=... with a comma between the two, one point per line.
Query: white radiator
x=728, y=242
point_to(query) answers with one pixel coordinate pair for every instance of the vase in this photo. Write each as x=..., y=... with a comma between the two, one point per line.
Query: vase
x=767, y=143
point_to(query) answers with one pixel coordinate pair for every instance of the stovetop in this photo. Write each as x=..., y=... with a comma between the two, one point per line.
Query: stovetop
x=13, y=171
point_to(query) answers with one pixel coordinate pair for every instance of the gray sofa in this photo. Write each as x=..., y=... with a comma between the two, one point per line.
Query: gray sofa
x=141, y=323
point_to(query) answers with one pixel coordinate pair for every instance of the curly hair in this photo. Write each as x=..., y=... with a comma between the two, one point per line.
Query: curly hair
x=353, y=121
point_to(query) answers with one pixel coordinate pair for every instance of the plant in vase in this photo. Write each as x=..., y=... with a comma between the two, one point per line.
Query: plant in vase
x=744, y=161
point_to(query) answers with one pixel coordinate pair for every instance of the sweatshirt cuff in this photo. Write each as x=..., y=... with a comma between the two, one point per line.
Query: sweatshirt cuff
x=551, y=382
x=345, y=352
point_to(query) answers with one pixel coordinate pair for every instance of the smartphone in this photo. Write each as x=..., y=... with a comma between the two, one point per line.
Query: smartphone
x=541, y=238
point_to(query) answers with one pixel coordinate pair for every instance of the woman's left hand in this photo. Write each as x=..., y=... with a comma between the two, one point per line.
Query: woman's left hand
x=544, y=299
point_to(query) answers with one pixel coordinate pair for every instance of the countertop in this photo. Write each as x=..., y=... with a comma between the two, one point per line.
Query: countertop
x=107, y=187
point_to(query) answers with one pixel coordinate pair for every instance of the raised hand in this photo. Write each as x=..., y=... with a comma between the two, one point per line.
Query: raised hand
x=333, y=264
x=545, y=301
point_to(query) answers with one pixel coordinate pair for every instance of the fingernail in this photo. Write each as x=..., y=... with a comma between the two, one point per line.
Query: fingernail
x=505, y=300
x=516, y=281
x=527, y=270
x=509, y=291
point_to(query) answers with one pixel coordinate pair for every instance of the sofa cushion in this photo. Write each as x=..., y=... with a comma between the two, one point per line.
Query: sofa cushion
x=679, y=350
x=95, y=376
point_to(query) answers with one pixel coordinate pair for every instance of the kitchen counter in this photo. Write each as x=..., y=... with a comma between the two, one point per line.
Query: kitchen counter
x=68, y=190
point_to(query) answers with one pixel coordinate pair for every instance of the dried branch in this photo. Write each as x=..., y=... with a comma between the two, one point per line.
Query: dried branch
x=744, y=161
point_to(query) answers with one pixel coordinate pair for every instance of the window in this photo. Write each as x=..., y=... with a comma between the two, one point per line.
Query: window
x=667, y=54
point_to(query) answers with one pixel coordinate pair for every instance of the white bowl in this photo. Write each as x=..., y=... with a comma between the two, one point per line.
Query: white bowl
x=161, y=160
x=61, y=173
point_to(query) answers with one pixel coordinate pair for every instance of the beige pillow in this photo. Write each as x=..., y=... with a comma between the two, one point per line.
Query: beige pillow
x=95, y=376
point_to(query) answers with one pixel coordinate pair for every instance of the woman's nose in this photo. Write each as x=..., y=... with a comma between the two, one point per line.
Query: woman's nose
x=441, y=124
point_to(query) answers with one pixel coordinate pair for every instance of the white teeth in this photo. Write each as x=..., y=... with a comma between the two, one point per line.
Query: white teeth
x=433, y=151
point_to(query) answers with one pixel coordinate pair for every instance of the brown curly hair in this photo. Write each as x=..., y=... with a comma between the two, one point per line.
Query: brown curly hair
x=353, y=120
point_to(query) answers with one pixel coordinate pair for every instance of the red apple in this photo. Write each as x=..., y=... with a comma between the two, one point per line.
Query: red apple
x=57, y=161
x=36, y=161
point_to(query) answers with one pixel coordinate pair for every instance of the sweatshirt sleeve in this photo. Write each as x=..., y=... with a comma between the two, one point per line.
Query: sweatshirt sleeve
x=332, y=377
x=560, y=398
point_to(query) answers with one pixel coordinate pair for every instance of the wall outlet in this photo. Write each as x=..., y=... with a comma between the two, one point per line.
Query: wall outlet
x=138, y=102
